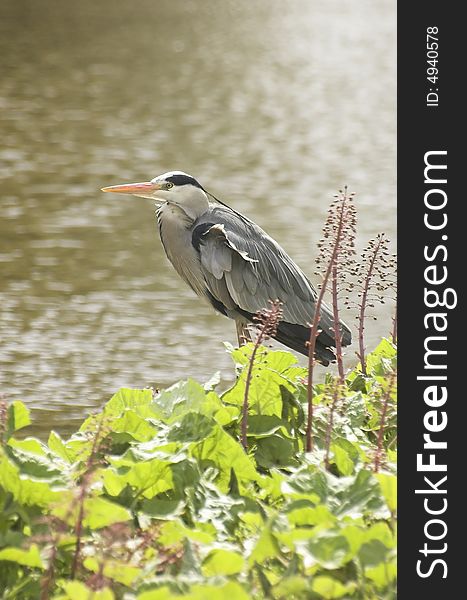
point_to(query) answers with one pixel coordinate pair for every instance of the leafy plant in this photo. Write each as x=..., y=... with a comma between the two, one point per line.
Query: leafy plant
x=155, y=497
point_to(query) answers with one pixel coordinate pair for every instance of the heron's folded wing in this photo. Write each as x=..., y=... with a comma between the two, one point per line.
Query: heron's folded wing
x=243, y=266
x=253, y=272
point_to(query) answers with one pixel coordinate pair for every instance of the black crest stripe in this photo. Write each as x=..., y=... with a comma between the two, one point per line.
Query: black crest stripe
x=179, y=179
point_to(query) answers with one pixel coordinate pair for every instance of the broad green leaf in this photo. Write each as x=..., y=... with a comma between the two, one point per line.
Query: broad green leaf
x=174, y=532
x=28, y=558
x=75, y=590
x=192, y=428
x=266, y=547
x=222, y=562
x=161, y=593
x=182, y=397
x=221, y=451
x=24, y=489
x=372, y=553
x=328, y=588
x=134, y=425
x=290, y=587
x=329, y=549
x=230, y=591
x=58, y=446
x=342, y=460
x=307, y=515
x=260, y=426
x=388, y=483
x=362, y=495
x=383, y=574
x=128, y=398
x=117, y=571
x=146, y=478
x=275, y=451
x=98, y=512
x=18, y=416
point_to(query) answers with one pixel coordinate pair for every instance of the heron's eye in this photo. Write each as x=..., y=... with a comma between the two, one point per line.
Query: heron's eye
x=169, y=185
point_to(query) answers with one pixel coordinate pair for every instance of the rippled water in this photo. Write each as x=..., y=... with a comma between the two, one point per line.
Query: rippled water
x=271, y=105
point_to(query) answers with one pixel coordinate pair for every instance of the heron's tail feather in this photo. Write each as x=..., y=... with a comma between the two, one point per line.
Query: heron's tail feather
x=297, y=337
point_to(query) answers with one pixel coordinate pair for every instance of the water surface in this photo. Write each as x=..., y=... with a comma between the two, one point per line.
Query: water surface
x=273, y=106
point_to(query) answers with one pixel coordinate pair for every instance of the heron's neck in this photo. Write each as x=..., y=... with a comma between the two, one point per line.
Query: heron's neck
x=191, y=201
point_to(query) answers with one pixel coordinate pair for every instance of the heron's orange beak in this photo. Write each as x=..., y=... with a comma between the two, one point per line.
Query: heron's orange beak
x=145, y=187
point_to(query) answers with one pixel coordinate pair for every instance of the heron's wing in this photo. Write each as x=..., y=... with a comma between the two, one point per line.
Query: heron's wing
x=244, y=267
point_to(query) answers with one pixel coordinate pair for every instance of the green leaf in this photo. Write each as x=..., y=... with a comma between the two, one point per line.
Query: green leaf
x=362, y=495
x=98, y=513
x=221, y=451
x=307, y=515
x=342, y=460
x=329, y=588
x=266, y=547
x=260, y=426
x=17, y=417
x=25, y=489
x=115, y=570
x=162, y=593
x=270, y=372
x=58, y=446
x=373, y=553
x=329, y=549
x=182, y=397
x=383, y=574
x=75, y=590
x=128, y=398
x=147, y=478
x=388, y=483
x=174, y=532
x=222, y=562
x=230, y=590
x=28, y=558
x=275, y=451
x=192, y=428
x=291, y=587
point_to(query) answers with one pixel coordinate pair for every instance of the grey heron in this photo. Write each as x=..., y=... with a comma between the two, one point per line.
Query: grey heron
x=232, y=263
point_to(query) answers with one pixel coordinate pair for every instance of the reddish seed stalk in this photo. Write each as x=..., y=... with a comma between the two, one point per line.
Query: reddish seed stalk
x=314, y=326
x=249, y=375
x=336, y=326
x=83, y=490
x=394, y=328
x=48, y=579
x=363, y=306
x=311, y=361
x=335, y=398
x=382, y=422
x=269, y=320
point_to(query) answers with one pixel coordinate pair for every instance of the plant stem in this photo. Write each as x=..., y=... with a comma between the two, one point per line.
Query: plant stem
x=335, y=398
x=382, y=422
x=337, y=327
x=314, y=326
x=394, y=328
x=83, y=489
x=363, y=305
x=249, y=376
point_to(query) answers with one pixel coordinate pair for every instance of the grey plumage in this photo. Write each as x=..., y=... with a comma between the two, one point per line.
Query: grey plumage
x=235, y=265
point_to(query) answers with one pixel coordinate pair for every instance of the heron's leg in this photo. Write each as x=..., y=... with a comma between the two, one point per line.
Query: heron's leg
x=243, y=333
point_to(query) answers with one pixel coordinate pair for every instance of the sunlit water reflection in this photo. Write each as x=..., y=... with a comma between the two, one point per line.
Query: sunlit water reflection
x=272, y=108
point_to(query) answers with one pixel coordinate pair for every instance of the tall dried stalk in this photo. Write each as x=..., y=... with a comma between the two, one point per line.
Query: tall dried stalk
x=83, y=489
x=374, y=274
x=386, y=398
x=267, y=322
x=394, y=327
x=335, y=392
x=336, y=245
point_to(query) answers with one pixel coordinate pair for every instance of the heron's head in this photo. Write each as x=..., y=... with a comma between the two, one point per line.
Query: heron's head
x=174, y=187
